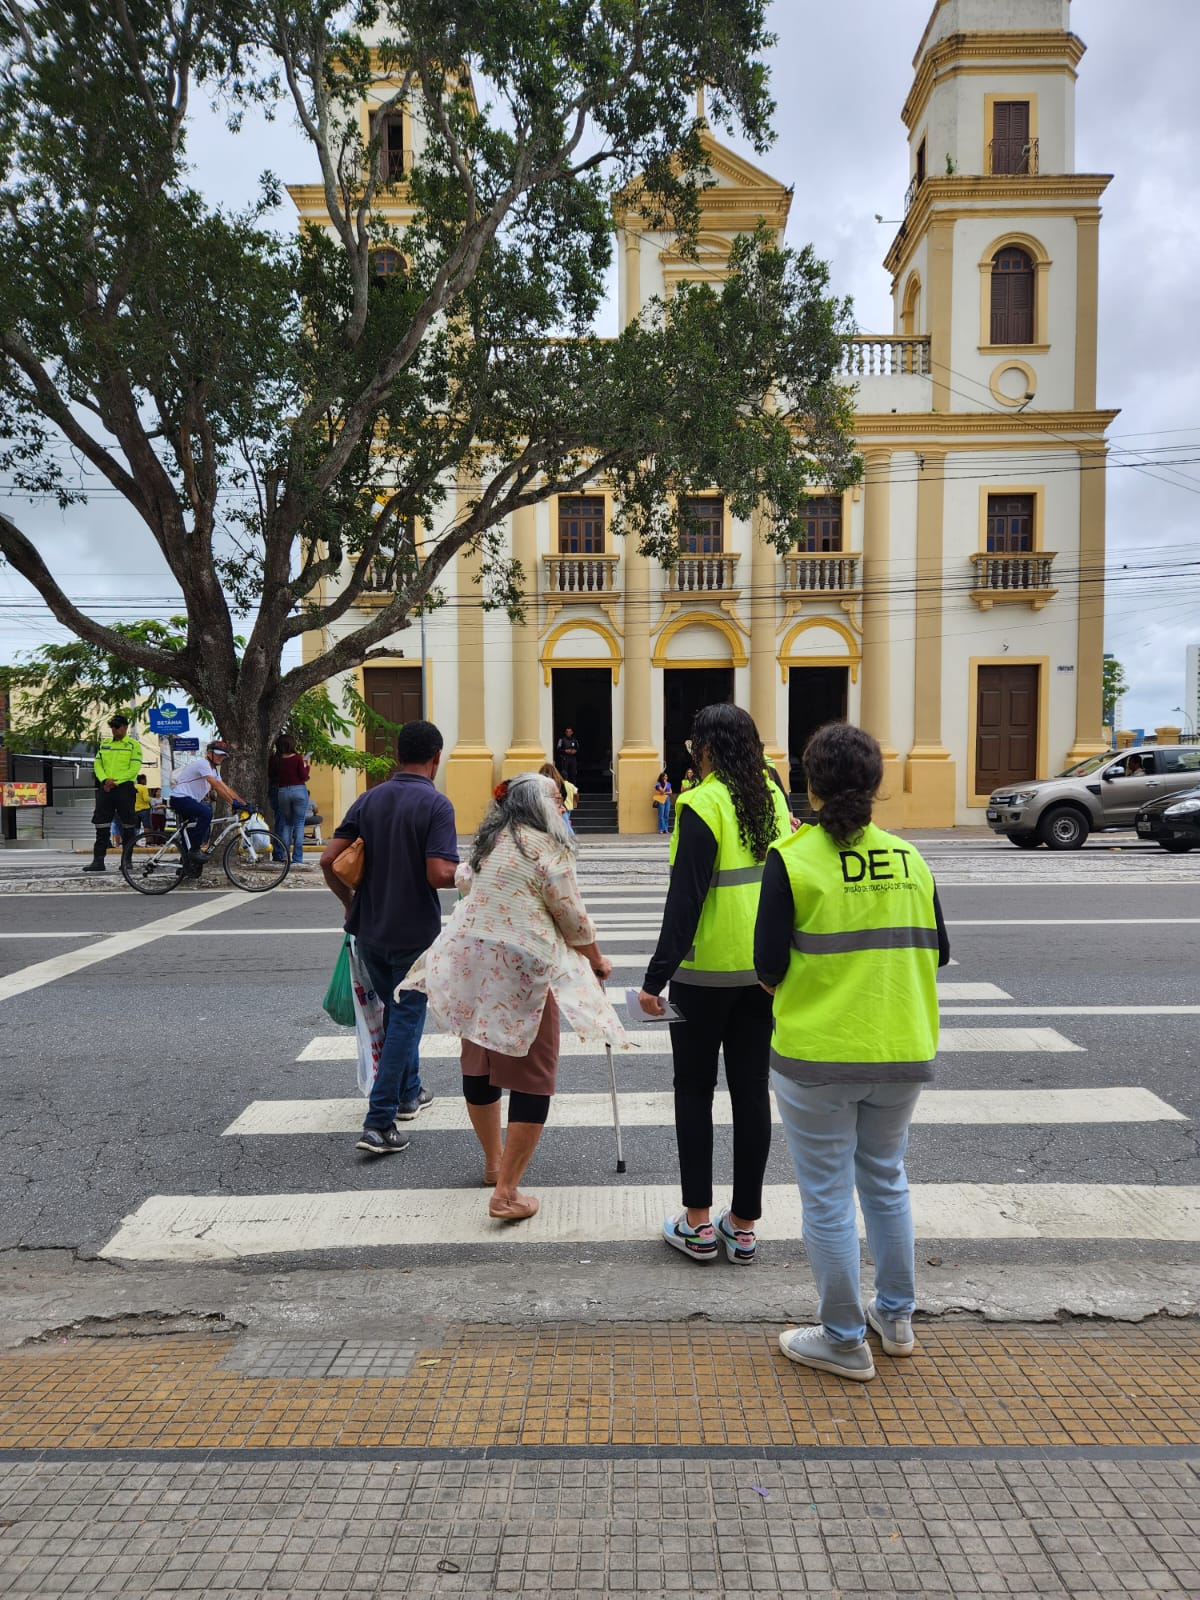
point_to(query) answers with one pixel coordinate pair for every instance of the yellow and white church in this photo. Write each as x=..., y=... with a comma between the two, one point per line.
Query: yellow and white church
x=952, y=603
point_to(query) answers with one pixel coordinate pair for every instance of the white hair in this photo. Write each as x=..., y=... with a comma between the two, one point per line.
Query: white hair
x=530, y=801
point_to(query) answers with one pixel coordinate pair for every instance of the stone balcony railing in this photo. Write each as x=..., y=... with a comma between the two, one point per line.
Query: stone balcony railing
x=1026, y=578
x=569, y=577
x=885, y=356
x=833, y=573
x=702, y=574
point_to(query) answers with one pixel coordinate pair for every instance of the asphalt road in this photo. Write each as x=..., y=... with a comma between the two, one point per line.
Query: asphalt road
x=120, y=1078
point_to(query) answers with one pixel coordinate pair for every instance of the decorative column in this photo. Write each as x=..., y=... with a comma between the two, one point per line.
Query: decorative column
x=469, y=780
x=877, y=631
x=764, y=656
x=632, y=273
x=1089, y=646
x=940, y=302
x=526, y=751
x=929, y=776
x=638, y=761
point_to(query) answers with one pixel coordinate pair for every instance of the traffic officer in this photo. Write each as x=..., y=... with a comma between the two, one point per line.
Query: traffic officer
x=849, y=938
x=723, y=828
x=117, y=765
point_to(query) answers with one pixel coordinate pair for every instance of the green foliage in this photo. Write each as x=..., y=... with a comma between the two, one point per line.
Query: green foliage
x=280, y=415
x=1115, y=685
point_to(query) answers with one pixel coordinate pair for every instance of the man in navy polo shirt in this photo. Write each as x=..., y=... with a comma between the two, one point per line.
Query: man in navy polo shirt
x=410, y=851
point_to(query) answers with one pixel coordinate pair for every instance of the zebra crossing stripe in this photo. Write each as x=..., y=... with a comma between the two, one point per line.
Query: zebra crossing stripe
x=651, y=1109
x=231, y=1227
x=954, y=1041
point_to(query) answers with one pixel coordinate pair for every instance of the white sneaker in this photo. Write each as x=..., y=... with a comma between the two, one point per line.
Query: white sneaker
x=697, y=1244
x=895, y=1333
x=811, y=1348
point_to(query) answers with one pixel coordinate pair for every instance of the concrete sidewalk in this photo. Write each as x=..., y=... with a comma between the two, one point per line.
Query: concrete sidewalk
x=599, y=1459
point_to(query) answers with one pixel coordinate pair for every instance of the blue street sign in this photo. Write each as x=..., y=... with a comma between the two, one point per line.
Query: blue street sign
x=187, y=744
x=169, y=719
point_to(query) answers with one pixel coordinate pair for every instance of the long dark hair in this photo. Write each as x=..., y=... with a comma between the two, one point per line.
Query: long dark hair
x=844, y=768
x=735, y=753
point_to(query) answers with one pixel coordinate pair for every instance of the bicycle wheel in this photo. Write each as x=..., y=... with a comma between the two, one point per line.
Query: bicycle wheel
x=251, y=865
x=156, y=874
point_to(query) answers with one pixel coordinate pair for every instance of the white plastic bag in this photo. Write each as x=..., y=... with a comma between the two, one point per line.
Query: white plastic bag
x=258, y=833
x=369, y=1022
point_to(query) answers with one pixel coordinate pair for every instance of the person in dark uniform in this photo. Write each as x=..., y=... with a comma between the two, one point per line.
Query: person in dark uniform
x=567, y=751
x=117, y=765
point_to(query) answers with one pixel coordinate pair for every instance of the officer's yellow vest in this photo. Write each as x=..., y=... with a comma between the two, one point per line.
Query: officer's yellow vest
x=723, y=953
x=861, y=985
x=118, y=759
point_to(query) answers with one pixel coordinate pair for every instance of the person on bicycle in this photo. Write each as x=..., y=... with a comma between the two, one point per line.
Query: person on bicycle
x=199, y=778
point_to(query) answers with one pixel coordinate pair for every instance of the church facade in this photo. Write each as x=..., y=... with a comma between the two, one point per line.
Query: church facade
x=951, y=603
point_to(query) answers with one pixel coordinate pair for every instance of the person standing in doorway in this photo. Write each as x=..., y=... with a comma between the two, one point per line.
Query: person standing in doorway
x=724, y=828
x=410, y=851
x=848, y=940
x=287, y=773
x=117, y=765
x=567, y=752
x=662, y=801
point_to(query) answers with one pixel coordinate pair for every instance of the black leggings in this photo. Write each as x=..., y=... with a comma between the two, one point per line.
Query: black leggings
x=739, y=1021
x=480, y=1091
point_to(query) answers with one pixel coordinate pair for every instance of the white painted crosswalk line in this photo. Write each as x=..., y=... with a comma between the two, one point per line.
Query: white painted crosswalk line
x=230, y=1227
x=652, y=1109
x=951, y=991
x=446, y=1047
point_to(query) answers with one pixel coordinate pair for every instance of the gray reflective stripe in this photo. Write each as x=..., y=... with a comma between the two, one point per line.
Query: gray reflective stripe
x=730, y=877
x=715, y=980
x=802, y=1071
x=833, y=944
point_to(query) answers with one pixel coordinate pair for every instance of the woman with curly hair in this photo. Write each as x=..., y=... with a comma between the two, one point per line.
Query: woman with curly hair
x=725, y=825
x=518, y=948
x=848, y=940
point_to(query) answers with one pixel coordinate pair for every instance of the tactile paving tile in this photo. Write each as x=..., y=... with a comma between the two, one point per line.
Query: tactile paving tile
x=259, y=1357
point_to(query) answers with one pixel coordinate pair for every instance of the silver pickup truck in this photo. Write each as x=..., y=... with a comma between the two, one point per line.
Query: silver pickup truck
x=1102, y=792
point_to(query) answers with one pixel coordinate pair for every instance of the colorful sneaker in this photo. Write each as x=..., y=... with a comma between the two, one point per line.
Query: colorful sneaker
x=895, y=1333
x=811, y=1348
x=408, y=1109
x=382, y=1141
x=740, y=1243
x=698, y=1244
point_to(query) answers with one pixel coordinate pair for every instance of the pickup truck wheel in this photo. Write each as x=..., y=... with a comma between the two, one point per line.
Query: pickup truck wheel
x=1063, y=828
x=1025, y=841
x=1177, y=847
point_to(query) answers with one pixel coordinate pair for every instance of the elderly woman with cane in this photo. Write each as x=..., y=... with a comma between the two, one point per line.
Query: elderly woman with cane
x=519, y=949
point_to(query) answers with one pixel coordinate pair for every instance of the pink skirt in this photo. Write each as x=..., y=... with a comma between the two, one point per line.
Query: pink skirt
x=534, y=1073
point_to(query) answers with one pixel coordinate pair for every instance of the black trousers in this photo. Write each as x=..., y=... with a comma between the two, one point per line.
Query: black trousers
x=737, y=1021
x=120, y=802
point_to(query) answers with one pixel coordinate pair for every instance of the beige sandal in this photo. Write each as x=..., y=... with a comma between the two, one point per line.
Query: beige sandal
x=518, y=1209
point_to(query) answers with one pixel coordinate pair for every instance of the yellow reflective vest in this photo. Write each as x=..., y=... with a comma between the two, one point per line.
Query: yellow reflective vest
x=118, y=759
x=859, y=1000
x=722, y=955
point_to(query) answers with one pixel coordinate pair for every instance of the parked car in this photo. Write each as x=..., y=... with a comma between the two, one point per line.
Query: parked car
x=1105, y=791
x=1173, y=821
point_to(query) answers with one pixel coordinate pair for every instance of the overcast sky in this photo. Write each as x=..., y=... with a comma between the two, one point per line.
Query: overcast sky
x=841, y=74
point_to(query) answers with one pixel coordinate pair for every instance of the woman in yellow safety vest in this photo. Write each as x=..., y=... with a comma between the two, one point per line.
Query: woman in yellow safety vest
x=848, y=939
x=723, y=828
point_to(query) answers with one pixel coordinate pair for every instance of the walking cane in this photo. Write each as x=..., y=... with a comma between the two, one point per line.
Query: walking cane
x=612, y=1079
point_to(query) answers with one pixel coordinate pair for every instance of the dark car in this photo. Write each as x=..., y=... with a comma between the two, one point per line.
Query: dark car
x=1173, y=821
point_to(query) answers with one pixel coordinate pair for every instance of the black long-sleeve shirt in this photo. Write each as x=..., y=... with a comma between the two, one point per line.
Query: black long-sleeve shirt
x=691, y=877
x=777, y=921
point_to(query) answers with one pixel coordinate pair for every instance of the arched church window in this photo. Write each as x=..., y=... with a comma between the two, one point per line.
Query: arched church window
x=386, y=264
x=1012, y=297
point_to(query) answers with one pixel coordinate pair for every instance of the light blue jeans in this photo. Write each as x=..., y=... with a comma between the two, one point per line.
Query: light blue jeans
x=291, y=808
x=847, y=1137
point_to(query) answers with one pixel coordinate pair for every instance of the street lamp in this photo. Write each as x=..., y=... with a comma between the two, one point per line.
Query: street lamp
x=1189, y=727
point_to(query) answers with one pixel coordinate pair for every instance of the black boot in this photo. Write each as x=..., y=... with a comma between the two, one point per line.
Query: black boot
x=128, y=836
x=99, y=850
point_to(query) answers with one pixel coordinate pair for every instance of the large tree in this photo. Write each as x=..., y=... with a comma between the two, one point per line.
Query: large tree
x=277, y=411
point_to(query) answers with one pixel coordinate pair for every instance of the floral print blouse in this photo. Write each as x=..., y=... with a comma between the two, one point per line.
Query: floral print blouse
x=510, y=941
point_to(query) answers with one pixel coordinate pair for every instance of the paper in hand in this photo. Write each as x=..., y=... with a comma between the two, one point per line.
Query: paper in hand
x=643, y=1019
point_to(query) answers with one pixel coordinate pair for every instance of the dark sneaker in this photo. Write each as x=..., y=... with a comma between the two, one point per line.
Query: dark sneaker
x=895, y=1333
x=740, y=1243
x=382, y=1142
x=95, y=866
x=811, y=1348
x=408, y=1109
x=697, y=1244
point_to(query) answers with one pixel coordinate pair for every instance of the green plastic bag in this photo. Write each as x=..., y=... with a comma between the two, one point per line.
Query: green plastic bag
x=339, y=999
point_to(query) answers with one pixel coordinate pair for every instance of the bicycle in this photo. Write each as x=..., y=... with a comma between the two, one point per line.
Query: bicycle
x=248, y=855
